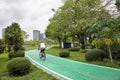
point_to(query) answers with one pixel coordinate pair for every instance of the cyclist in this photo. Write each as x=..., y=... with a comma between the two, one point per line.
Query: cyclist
x=42, y=54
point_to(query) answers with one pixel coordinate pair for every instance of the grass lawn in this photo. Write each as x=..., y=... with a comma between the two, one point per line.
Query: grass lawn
x=35, y=74
x=78, y=56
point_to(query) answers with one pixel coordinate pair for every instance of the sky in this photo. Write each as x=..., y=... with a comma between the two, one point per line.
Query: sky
x=29, y=14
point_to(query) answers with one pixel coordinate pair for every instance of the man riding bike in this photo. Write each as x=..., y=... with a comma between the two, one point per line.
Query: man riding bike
x=42, y=54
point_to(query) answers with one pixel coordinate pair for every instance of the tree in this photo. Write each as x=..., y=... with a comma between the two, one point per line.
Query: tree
x=58, y=27
x=25, y=35
x=107, y=30
x=81, y=14
x=13, y=36
x=75, y=17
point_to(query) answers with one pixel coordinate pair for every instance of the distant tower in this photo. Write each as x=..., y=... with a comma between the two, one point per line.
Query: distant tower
x=42, y=35
x=3, y=32
x=63, y=1
x=36, y=35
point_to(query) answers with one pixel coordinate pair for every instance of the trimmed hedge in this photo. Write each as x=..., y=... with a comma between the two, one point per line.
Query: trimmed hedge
x=64, y=54
x=95, y=54
x=18, y=66
x=16, y=54
x=83, y=50
x=74, y=49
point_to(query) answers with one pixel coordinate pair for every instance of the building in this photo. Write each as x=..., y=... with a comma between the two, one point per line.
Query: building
x=42, y=35
x=3, y=32
x=36, y=35
x=63, y=1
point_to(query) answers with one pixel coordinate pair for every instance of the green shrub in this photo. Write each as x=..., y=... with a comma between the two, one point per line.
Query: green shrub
x=19, y=54
x=95, y=54
x=83, y=50
x=64, y=54
x=116, y=51
x=74, y=49
x=116, y=54
x=16, y=54
x=22, y=48
x=18, y=66
x=11, y=55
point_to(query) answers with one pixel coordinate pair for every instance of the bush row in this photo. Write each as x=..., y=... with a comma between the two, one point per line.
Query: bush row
x=74, y=49
x=64, y=54
x=16, y=54
x=95, y=54
x=83, y=50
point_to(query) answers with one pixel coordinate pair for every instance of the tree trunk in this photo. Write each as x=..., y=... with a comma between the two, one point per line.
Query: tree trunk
x=60, y=44
x=81, y=40
x=83, y=44
x=110, y=55
x=59, y=40
x=73, y=41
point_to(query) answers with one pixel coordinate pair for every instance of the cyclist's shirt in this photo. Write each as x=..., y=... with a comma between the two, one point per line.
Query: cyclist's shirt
x=42, y=45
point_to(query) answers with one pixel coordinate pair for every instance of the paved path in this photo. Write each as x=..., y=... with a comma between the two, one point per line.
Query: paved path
x=66, y=69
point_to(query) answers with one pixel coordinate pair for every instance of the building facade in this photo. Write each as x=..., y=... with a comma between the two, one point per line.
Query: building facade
x=36, y=35
x=42, y=36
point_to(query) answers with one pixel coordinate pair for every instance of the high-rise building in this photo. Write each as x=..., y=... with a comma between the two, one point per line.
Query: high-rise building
x=63, y=1
x=42, y=35
x=36, y=35
x=3, y=32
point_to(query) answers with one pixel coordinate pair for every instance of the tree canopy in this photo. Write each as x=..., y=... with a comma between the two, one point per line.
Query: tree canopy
x=74, y=18
x=13, y=36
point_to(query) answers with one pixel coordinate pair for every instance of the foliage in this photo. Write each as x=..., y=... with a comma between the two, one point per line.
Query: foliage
x=18, y=66
x=13, y=36
x=116, y=54
x=74, y=49
x=64, y=54
x=74, y=18
x=108, y=41
x=119, y=41
x=16, y=54
x=1, y=46
x=95, y=55
x=117, y=5
x=96, y=42
x=107, y=30
x=115, y=50
x=25, y=35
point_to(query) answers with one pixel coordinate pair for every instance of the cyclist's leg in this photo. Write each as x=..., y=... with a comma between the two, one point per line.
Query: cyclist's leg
x=40, y=55
x=44, y=53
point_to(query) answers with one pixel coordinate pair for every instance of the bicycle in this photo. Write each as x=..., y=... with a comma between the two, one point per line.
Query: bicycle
x=42, y=55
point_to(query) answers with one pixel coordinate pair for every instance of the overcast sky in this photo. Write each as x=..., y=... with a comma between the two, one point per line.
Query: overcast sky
x=30, y=14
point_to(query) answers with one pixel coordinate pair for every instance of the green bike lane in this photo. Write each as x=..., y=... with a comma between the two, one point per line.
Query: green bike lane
x=66, y=69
